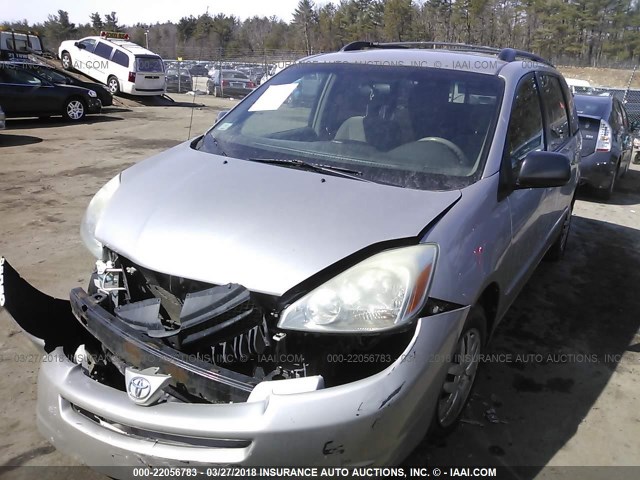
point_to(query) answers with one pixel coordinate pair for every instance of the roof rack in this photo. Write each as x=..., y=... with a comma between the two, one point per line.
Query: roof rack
x=504, y=54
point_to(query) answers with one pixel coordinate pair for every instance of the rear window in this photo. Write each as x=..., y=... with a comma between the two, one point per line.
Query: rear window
x=20, y=42
x=593, y=106
x=121, y=58
x=234, y=75
x=149, y=64
x=52, y=75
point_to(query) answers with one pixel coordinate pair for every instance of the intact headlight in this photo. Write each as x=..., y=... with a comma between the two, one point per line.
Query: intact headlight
x=383, y=292
x=92, y=93
x=93, y=213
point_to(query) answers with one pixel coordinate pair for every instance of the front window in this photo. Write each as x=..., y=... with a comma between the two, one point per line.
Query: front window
x=555, y=111
x=412, y=127
x=149, y=64
x=89, y=44
x=526, y=132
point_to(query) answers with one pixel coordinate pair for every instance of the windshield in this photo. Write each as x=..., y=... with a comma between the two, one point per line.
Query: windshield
x=149, y=64
x=408, y=126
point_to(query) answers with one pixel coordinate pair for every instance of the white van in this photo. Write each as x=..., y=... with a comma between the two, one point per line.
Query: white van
x=580, y=87
x=113, y=60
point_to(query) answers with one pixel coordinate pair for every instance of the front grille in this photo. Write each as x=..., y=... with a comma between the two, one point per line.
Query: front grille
x=160, y=437
x=220, y=321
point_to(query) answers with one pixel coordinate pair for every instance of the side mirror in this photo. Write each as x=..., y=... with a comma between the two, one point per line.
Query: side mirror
x=221, y=115
x=543, y=170
x=80, y=45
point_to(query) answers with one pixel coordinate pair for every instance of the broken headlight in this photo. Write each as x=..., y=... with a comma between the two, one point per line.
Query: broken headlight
x=93, y=213
x=383, y=292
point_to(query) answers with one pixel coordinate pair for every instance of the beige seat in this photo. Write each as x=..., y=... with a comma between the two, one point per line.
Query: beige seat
x=352, y=129
x=374, y=128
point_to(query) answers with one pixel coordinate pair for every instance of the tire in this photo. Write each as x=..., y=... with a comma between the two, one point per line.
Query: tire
x=113, y=85
x=626, y=168
x=66, y=61
x=74, y=109
x=605, y=194
x=559, y=247
x=454, y=394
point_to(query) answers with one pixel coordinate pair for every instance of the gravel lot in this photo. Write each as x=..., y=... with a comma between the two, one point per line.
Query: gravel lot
x=561, y=376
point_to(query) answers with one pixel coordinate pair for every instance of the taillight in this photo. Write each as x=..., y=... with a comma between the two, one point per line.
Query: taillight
x=225, y=83
x=251, y=85
x=132, y=77
x=604, y=137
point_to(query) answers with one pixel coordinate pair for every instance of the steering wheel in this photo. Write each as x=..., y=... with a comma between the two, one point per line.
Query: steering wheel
x=462, y=158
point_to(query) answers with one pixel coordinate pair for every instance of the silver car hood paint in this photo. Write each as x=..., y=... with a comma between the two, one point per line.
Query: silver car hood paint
x=223, y=220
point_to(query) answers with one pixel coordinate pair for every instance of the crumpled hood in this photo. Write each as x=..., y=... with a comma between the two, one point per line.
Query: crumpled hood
x=222, y=220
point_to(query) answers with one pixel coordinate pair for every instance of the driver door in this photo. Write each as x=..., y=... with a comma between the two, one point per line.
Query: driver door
x=528, y=207
x=84, y=54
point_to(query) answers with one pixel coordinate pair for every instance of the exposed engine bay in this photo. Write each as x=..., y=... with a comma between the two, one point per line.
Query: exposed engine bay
x=225, y=333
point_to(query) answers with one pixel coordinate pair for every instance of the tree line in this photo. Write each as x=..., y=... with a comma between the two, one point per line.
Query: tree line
x=570, y=32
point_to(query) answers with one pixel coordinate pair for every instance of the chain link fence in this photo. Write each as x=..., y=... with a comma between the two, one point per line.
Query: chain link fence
x=200, y=63
x=195, y=70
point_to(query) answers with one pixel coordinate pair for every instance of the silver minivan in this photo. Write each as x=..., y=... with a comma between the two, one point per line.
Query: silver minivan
x=313, y=280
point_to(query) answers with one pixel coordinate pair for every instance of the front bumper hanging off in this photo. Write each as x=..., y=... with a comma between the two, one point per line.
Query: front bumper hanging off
x=373, y=421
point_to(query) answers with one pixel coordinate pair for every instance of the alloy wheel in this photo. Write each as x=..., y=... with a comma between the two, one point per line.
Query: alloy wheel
x=460, y=377
x=75, y=110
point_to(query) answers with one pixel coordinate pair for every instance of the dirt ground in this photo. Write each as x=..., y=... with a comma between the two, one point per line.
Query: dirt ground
x=604, y=77
x=560, y=382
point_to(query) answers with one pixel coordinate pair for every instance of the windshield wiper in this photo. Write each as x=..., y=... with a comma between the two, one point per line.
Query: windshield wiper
x=314, y=167
x=215, y=142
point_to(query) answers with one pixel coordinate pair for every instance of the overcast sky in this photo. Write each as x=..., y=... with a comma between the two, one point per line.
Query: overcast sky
x=131, y=12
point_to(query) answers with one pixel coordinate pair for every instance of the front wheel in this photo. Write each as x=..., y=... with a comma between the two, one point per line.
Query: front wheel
x=559, y=247
x=67, y=64
x=461, y=374
x=74, y=110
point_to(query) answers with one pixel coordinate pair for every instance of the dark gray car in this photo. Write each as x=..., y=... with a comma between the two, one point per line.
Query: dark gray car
x=233, y=84
x=607, y=142
x=179, y=83
x=310, y=282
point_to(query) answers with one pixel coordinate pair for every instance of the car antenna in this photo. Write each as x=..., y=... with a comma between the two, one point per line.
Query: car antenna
x=193, y=102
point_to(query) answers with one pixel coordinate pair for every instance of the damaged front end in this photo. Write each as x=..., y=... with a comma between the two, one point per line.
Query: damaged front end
x=203, y=343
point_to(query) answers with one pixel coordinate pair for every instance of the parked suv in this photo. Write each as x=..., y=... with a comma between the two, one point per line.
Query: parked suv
x=115, y=61
x=311, y=282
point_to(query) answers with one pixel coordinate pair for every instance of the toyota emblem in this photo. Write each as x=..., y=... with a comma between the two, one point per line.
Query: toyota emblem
x=139, y=388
